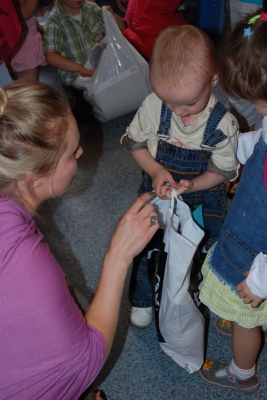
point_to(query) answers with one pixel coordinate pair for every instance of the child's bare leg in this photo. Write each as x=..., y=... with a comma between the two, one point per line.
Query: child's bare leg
x=246, y=346
x=30, y=74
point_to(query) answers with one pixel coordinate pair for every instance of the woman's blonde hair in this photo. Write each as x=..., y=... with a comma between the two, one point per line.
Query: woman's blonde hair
x=33, y=129
x=181, y=54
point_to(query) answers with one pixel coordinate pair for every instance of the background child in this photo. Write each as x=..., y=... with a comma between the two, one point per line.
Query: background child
x=182, y=131
x=72, y=30
x=28, y=54
x=249, y=119
x=245, y=112
x=48, y=348
x=242, y=246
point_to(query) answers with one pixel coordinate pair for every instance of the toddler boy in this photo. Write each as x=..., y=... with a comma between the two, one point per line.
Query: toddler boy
x=181, y=132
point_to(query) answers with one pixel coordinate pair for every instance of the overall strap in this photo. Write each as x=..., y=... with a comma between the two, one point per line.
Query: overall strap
x=165, y=120
x=212, y=135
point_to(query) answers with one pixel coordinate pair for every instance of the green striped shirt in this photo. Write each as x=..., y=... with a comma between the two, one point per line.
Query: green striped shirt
x=71, y=38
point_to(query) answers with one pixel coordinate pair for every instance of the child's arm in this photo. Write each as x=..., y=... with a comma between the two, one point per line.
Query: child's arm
x=61, y=62
x=28, y=8
x=207, y=180
x=160, y=176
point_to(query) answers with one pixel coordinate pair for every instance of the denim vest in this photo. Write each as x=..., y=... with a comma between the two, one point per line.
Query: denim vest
x=188, y=164
x=244, y=233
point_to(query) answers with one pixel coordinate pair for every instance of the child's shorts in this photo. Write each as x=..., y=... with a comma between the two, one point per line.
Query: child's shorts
x=225, y=302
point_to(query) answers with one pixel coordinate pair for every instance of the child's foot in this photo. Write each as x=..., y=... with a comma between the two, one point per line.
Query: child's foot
x=141, y=317
x=225, y=328
x=218, y=373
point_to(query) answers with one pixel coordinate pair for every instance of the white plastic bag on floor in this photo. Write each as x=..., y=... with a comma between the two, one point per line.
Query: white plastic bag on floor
x=121, y=79
x=180, y=322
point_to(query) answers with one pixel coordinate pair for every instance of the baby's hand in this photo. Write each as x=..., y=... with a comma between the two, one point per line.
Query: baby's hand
x=230, y=188
x=183, y=186
x=247, y=296
x=159, y=180
x=233, y=189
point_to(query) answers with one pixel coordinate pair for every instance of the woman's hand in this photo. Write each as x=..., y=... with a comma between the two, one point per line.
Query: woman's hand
x=134, y=230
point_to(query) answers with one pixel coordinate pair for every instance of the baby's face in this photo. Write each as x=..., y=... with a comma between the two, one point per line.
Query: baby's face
x=188, y=99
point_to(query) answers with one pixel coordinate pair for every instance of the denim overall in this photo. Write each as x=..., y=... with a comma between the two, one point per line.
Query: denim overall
x=184, y=164
x=244, y=233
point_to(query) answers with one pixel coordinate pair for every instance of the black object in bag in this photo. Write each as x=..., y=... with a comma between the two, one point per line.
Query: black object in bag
x=195, y=280
x=156, y=266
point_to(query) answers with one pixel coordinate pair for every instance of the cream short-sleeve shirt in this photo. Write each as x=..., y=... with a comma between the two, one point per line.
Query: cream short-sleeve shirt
x=143, y=129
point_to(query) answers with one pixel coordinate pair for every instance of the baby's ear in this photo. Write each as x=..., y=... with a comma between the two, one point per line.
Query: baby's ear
x=215, y=80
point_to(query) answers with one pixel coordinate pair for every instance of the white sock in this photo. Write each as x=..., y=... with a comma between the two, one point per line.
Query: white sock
x=241, y=373
x=264, y=327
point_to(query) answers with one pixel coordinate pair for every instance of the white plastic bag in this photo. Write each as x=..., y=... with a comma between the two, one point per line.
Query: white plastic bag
x=181, y=324
x=121, y=79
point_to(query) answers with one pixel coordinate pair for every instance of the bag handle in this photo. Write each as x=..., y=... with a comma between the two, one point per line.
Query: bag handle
x=174, y=206
x=111, y=25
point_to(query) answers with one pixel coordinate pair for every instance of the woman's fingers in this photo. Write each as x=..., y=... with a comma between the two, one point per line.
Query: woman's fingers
x=141, y=202
x=135, y=229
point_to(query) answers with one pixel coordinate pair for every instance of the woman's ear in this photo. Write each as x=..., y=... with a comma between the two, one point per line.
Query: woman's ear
x=215, y=79
x=37, y=183
x=24, y=183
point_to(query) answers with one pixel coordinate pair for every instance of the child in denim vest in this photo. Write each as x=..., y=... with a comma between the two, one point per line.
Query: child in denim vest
x=182, y=131
x=234, y=272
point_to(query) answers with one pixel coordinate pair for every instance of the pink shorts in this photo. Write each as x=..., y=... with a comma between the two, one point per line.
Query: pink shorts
x=28, y=52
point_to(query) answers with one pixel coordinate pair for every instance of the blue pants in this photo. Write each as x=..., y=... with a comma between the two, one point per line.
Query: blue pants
x=141, y=286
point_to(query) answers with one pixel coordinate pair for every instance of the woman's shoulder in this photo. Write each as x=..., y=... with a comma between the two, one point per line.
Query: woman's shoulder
x=9, y=206
x=16, y=223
